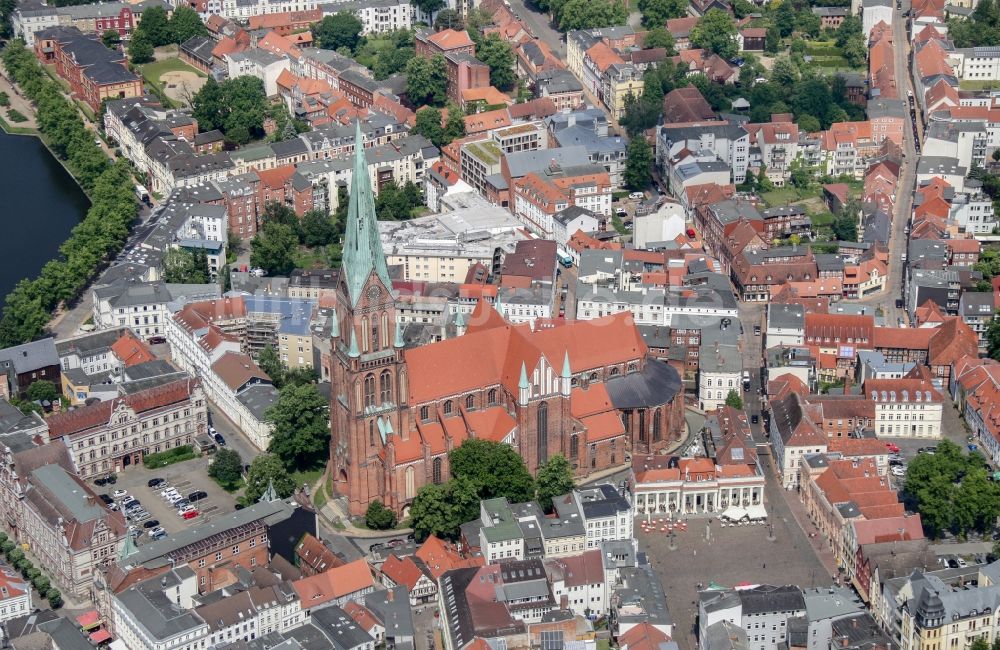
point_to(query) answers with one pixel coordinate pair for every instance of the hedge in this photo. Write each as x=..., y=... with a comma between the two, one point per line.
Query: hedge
x=169, y=457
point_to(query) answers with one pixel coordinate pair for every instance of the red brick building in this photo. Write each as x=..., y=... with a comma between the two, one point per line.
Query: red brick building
x=286, y=22
x=585, y=389
x=444, y=42
x=93, y=72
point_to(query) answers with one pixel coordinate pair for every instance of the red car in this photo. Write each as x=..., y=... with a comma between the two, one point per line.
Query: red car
x=891, y=447
x=191, y=514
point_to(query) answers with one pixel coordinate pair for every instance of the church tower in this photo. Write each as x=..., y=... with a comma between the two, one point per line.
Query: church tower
x=368, y=376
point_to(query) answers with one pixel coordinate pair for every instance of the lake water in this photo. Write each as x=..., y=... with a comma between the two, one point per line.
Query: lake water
x=39, y=205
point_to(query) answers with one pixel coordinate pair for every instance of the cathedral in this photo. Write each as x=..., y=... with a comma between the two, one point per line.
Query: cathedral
x=588, y=390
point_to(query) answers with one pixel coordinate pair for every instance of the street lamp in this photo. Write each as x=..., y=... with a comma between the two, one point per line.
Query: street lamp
x=770, y=531
x=673, y=541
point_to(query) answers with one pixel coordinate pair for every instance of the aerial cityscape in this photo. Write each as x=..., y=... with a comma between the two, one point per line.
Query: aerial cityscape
x=500, y=325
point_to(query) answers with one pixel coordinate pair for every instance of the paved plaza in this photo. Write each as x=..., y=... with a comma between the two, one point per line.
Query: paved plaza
x=729, y=556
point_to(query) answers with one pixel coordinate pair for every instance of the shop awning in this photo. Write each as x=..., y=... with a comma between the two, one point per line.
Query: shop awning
x=756, y=512
x=100, y=636
x=89, y=620
x=734, y=513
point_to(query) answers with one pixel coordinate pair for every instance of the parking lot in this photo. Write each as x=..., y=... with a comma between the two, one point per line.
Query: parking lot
x=188, y=476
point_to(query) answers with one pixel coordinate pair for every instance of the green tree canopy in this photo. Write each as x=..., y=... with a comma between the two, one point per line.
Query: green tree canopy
x=273, y=248
x=656, y=13
x=497, y=470
x=660, y=37
x=111, y=38
x=339, y=30
x=554, y=479
x=431, y=513
x=318, y=228
x=42, y=390
x=499, y=56
x=264, y=470
x=587, y=14
x=429, y=6
x=716, y=31
x=993, y=339
x=428, y=124
x=185, y=23
x=378, y=517
x=301, y=422
x=182, y=266
x=638, y=163
x=140, y=48
x=236, y=107
x=269, y=361
x=734, y=400
x=448, y=19
x=156, y=25
x=227, y=468
x=427, y=80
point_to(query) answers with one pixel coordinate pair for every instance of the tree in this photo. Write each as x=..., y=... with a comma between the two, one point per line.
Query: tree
x=273, y=248
x=431, y=513
x=638, y=163
x=784, y=18
x=155, y=25
x=301, y=426
x=554, y=478
x=227, y=468
x=656, y=13
x=993, y=338
x=716, y=31
x=54, y=598
x=378, y=517
x=42, y=584
x=185, y=24
x=395, y=204
x=855, y=51
x=265, y=470
x=850, y=27
x=449, y=19
x=845, y=227
x=454, y=127
x=499, y=56
x=318, y=228
x=587, y=14
x=269, y=361
x=660, y=37
x=734, y=400
x=339, y=30
x=236, y=107
x=140, y=48
x=389, y=62
x=181, y=266
x=496, y=469
x=43, y=390
x=428, y=124
x=427, y=80
x=111, y=39
x=429, y=6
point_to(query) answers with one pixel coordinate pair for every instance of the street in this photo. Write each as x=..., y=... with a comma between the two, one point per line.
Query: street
x=886, y=299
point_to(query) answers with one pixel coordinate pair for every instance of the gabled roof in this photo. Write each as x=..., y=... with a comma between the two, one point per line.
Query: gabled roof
x=87, y=417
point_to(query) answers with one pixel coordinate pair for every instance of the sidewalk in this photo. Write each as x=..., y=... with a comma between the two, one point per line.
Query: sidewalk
x=18, y=102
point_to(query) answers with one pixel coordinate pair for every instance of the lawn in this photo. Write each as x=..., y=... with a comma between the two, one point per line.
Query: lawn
x=978, y=85
x=789, y=194
x=153, y=71
x=309, y=477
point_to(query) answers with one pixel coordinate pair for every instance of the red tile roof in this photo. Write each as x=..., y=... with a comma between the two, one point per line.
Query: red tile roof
x=88, y=417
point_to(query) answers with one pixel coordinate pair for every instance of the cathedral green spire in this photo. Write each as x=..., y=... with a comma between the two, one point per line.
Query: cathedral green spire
x=129, y=548
x=270, y=494
x=362, y=248
x=354, y=352
x=459, y=319
x=524, y=377
x=566, y=372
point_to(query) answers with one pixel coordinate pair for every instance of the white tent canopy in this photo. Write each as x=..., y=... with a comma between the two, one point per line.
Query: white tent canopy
x=757, y=512
x=734, y=513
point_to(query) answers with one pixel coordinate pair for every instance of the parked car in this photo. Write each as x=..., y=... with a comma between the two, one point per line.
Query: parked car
x=219, y=439
x=190, y=514
x=197, y=495
x=159, y=535
x=119, y=494
x=106, y=499
x=897, y=470
x=961, y=562
x=142, y=515
x=895, y=462
x=153, y=340
x=973, y=447
x=393, y=543
x=183, y=509
x=637, y=195
x=166, y=493
x=156, y=531
x=155, y=482
x=892, y=447
x=182, y=503
x=754, y=419
x=152, y=523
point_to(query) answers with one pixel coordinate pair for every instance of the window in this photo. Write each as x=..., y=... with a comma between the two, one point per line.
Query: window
x=543, y=432
x=642, y=425
x=371, y=432
x=370, y=391
x=447, y=407
x=375, y=339
x=470, y=402
x=574, y=446
x=385, y=386
x=425, y=414
x=657, y=425
x=436, y=471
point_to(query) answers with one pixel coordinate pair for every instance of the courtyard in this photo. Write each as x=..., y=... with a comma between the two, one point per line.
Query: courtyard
x=174, y=78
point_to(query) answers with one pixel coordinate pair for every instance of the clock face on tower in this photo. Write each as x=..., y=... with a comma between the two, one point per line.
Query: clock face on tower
x=374, y=293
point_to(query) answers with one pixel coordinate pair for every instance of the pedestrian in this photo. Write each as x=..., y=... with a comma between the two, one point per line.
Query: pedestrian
x=763, y=565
